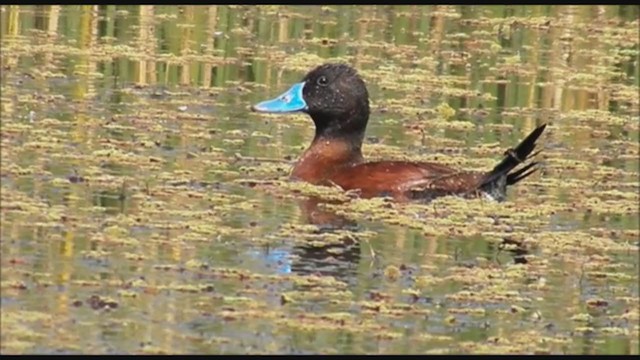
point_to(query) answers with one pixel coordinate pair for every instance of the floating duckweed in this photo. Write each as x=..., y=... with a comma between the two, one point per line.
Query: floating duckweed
x=392, y=273
x=583, y=317
x=96, y=254
x=194, y=264
x=148, y=191
x=13, y=284
x=468, y=311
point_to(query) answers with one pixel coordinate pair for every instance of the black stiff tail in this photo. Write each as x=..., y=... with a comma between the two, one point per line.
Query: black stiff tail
x=496, y=181
x=516, y=176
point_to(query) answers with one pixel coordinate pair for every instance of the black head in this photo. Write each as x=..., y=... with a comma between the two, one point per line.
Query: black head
x=333, y=95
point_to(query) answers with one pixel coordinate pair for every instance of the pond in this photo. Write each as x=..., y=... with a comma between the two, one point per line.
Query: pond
x=145, y=209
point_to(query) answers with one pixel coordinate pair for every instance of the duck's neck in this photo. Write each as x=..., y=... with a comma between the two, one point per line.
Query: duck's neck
x=326, y=155
x=337, y=144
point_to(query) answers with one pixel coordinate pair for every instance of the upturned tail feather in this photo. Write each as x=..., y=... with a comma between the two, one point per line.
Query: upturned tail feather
x=501, y=176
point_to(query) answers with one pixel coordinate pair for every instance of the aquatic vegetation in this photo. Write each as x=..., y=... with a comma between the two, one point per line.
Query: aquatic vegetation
x=145, y=210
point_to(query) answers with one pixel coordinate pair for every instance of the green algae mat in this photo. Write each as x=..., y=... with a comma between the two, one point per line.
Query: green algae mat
x=146, y=210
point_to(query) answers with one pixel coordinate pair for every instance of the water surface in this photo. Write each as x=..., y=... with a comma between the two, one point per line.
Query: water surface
x=145, y=209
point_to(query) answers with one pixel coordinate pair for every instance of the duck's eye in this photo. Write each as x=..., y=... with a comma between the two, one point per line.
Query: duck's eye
x=322, y=81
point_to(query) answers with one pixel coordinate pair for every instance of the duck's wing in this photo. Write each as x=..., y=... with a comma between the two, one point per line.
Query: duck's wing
x=404, y=180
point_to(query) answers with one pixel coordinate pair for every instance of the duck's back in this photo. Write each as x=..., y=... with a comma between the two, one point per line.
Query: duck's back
x=404, y=180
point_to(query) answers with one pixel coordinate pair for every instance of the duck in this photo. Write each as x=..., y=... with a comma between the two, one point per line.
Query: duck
x=336, y=99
